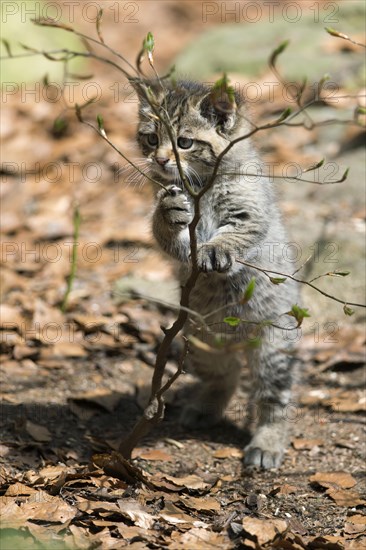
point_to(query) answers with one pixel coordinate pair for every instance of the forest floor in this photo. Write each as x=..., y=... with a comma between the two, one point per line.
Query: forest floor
x=74, y=382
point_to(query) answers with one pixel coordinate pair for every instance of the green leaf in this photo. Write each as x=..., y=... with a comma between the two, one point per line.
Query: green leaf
x=222, y=86
x=338, y=273
x=7, y=46
x=277, y=280
x=278, y=51
x=361, y=110
x=286, y=113
x=324, y=79
x=344, y=177
x=254, y=342
x=299, y=313
x=97, y=24
x=314, y=166
x=347, y=310
x=248, y=293
x=149, y=43
x=59, y=126
x=100, y=122
x=78, y=112
x=232, y=321
x=338, y=34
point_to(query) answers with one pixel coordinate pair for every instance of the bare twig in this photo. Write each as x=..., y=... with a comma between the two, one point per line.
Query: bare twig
x=270, y=272
x=70, y=280
x=102, y=133
x=338, y=34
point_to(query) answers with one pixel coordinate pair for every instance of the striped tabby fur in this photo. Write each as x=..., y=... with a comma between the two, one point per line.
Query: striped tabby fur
x=239, y=219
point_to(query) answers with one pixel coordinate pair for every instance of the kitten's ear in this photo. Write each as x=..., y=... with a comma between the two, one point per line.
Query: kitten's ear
x=147, y=92
x=220, y=105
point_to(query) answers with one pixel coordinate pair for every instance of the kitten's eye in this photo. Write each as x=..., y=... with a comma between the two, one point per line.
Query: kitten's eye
x=185, y=143
x=152, y=139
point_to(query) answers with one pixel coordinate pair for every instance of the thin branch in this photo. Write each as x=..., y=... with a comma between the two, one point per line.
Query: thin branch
x=70, y=280
x=338, y=34
x=44, y=22
x=270, y=271
x=104, y=136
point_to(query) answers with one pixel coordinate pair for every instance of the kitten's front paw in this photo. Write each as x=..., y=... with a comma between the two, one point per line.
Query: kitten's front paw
x=211, y=257
x=265, y=449
x=174, y=207
x=261, y=458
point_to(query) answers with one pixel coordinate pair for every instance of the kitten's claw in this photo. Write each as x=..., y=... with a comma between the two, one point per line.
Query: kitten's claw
x=260, y=458
x=174, y=207
x=266, y=448
x=213, y=258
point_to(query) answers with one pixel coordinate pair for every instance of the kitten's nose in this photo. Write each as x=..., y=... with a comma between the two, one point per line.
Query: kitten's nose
x=162, y=160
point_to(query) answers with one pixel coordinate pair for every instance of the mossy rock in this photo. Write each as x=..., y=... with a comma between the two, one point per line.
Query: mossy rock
x=245, y=48
x=18, y=29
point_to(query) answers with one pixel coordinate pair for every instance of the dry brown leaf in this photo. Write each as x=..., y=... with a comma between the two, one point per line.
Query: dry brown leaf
x=39, y=433
x=102, y=341
x=228, y=452
x=10, y=317
x=81, y=538
x=344, y=497
x=12, y=515
x=265, y=530
x=151, y=454
x=341, y=480
x=48, y=323
x=22, y=351
x=129, y=532
x=90, y=323
x=205, y=504
x=174, y=515
x=19, y=489
x=327, y=542
x=189, y=482
x=91, y=506
x=9, y=339
x=355, y=524
x=46, y=226
x=348, y=402
x=198, y=538
x=307, y=444
x=50, y=473
x=102, y=397
x=337, y=486
x=357, y=544
x=40, y=506
x=136, y=513
x=63, y=349
x=114, y=464
x=284, y=489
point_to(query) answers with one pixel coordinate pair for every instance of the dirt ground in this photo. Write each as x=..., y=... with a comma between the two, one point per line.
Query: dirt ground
x=74, y=382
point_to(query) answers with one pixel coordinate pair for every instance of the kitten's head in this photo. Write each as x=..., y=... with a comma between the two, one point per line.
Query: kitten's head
x=202, y=123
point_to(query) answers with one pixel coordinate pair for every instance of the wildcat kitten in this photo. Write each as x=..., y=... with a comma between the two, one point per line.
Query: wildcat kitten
x=239, y=219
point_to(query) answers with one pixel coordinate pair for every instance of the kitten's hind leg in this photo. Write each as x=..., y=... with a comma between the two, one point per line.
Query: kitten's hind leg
x=219, y=377
x=273, y=375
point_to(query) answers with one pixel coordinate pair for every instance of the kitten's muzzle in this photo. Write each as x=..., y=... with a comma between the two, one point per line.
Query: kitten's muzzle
x=162, y=160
